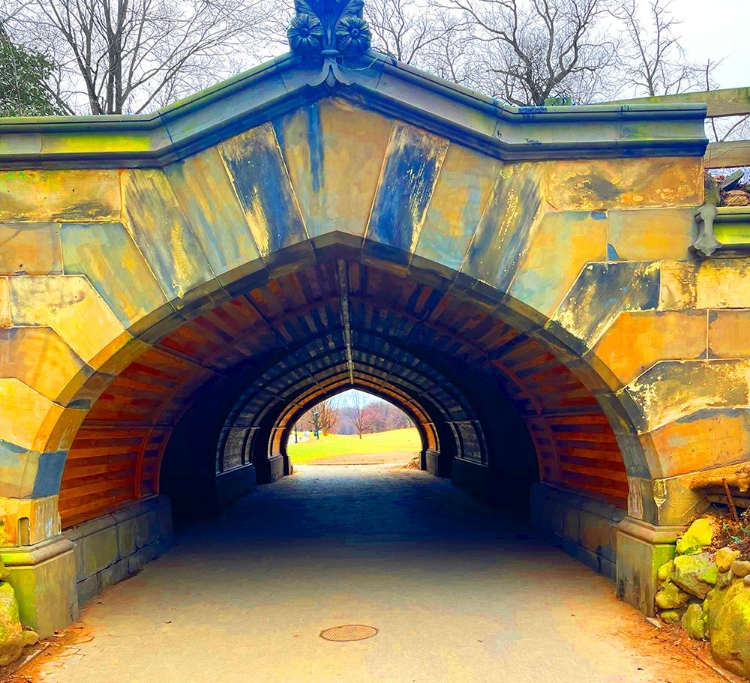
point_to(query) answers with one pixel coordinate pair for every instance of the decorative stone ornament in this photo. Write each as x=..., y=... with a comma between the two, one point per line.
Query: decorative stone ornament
x=330, y=29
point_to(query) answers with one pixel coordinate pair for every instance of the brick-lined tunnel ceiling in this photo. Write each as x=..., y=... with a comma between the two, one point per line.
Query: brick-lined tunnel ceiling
x=367, y=322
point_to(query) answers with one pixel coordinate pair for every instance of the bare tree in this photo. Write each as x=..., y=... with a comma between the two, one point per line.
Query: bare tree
x=328, y=415
x=131, y=56
x=382, y=416
x=408, y=29
x=536, y=49
x=358, y=412
x=653, y=62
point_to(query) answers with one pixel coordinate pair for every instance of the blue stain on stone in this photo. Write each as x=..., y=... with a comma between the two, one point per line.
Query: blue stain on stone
x=315, y=144
x=260, y=178
x=529, y=113
x=49, y=474
x=599, y=215
x=495, y=260
x=411, y=170
x=612, y=254
x=603, y=290
x=708, y=413
x=10, y=454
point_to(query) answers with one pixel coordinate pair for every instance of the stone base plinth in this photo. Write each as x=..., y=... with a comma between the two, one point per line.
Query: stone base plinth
x=43, y=577
x=431, y=462
x=641, y=549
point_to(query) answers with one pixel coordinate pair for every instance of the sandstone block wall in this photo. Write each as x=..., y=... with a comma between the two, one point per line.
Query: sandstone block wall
x=108, y=549
x=583, y=528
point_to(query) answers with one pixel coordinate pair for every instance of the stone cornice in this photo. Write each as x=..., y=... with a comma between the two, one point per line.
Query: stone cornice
x=373, y=81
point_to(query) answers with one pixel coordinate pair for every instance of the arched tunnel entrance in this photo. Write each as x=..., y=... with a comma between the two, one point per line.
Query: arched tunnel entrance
x=176, y=288
x=204, y=413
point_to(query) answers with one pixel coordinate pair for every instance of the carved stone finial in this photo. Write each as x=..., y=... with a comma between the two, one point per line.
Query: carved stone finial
x=329, y=28
x=704, y=218
x=706, y=243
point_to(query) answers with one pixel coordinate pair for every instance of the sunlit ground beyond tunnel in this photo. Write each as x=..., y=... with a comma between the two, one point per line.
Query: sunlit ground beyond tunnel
x=354, y=428
x=458, y=592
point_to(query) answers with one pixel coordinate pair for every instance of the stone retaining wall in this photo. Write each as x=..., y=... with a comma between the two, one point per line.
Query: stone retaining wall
x=233, y=485
x=584, y=528
x=111, y=548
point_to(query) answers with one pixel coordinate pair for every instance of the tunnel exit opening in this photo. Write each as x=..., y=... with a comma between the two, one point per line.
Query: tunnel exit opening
x=353, y=428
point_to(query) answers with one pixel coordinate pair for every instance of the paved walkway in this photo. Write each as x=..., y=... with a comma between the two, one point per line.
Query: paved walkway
x=459, y=593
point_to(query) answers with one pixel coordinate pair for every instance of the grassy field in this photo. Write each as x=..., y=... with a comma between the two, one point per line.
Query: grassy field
x=397, y=440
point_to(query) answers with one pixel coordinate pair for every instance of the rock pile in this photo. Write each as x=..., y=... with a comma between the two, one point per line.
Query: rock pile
x=732, y=191
x=708, y=592
x=13, y=638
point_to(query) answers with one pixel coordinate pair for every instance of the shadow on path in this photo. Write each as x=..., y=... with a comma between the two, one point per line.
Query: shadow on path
x=458, y=591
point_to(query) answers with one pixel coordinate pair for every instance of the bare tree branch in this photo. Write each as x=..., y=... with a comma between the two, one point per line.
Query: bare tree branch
x=126, y=56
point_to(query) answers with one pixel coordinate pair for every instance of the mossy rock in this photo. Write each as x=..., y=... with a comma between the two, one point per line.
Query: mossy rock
x=694, y=621
x=12, y=637
x=699, y=536
x=671, y=597
x=729, y=620
x=725, y=557
x=665, y=571
x=671, y=616
x=695, y=574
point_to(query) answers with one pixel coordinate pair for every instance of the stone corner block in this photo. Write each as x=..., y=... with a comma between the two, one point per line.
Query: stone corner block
x=641, y=549
x=44, y=580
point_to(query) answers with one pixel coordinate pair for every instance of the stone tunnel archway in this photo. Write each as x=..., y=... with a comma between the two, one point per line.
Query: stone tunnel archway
x=403, y=337
x=546, y=253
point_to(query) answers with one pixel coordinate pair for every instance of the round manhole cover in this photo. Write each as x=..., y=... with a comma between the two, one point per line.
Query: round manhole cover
x=343, y=634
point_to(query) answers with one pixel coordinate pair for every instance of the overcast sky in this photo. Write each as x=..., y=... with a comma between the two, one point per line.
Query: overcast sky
x=717, y=30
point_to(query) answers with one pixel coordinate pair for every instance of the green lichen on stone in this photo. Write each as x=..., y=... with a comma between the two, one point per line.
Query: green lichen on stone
x=694, y=621
x=725, y=557
x=12, y=637
x=671, y=597
x=729, y=619
x=670, y=616
x=699, y=535
x=4, y=571
x=695, y=574
x=665, y=571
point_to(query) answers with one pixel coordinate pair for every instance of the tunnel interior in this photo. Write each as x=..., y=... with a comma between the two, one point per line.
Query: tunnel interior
x=204, y=414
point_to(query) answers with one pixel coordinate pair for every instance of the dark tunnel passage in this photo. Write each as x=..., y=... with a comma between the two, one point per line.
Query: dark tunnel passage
x=495, y=410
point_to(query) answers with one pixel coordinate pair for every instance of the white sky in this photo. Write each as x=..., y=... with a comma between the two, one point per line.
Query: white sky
x=717, y=30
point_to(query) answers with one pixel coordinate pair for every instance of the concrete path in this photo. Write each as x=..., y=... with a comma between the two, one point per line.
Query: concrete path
x=458, y=591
